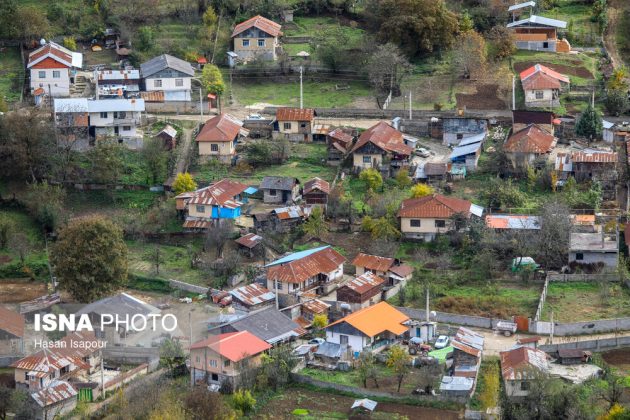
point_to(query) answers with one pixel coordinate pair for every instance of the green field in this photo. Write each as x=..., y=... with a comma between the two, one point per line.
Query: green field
x=293, y=49
x=580, y=30
x=309, y=26
x=11, y=74
x=35, y=255
x=577, y=301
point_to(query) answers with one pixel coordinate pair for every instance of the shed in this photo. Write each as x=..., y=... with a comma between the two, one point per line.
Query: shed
x=280, y=189
x=252, y=296
x=573, y=356
x=168, y=135
x=456, y=386
x=364, y=404
x=316, y=192
x=330, y=353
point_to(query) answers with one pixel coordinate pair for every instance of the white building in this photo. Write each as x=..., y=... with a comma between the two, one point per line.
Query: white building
x=519, y=367
x=53, y=68
x=170, y=75
x=117, y=83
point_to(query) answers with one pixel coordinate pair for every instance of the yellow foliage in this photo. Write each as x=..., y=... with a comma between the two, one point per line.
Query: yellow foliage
x=617, y=412
x=490, y=394
x=420, y=190
x=184, y=182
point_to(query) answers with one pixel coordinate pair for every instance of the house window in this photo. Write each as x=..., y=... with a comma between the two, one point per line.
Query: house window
x=440, y=223
x=367, y=159
x=343, y=339
x=157, y=83
x=460, y=136
x=287, y=126
x=545, y=45
x=215, y=377
x=214, y=147
x=197, y=359
x=246, y=43
x=579, y=256
x=126, y=128
x=273, y=193
x=42, y=74
x=103, y=114
x=539, y=94
x=303, y=125
x=212, y=363
x=296, y=286
x=201, y=209
x=261, y=42
x=524, y=386
x=414, y=222
x=56, y=74
x=278, y=285
x=226, y=363
x=179, y=82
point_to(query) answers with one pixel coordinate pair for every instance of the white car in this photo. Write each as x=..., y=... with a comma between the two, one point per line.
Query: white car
x=254, y=117
x=422, y=152
x=317, y=341
x=441, y=342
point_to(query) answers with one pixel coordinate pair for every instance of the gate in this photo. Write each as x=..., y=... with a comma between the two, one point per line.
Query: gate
x=522, y=323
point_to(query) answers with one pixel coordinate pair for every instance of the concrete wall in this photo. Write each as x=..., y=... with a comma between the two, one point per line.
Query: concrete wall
x=583, y=277
x=168, y=83
x=132, y=355
x=610, y=259
x=427, y=225
x=176, y=284
x=56, y=86
x=592, y=327
x=225, y=148
x=355, y=342
x=465, y=320
x=592, y=345
x=357, y=161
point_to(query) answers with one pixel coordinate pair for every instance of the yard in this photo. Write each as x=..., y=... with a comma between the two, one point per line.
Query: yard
x=303, y=26
x=34, y=265
x=581, y=31
x=581, y=301
x=11, y=74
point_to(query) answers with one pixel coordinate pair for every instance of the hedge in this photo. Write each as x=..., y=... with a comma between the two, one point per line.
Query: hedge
x=148, y=284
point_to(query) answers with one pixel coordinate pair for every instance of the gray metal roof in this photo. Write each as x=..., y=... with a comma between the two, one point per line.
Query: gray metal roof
x=70, y=105
x=269, y=324
x=593, y=242
x=465, y=150
x=456, y=383
x=120, y=304
x=332, y=350
x=539, y=20
x=521, y=5
x=283, y=183
x=116, y=105
x=166, y=61
x=473, y=139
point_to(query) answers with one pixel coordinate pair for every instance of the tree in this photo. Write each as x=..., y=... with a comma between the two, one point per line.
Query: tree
x=590, y=124
x=399, y=360
x=403, y=179
x=258, y=153
x=106, y=160
x=20, y=243
x=45, y=203
x=172, y=354
x=90, y=258
x=7, y=226
x=31, y=23
x=617, y=80
x=8, y=18
x=552, y=243
x=277, y=366
x=184, y=182
x=218, y=235
x=155, y=159
x=616, y=101
x=387, y=68
x=469, y=55
x=315, y=226
x=420, y=190
x=70, y=43
x=417, y=26
x=329, y=46
x=381, y=228
x=203, y=405
x=366, y=368
x=243, y=401
x=212, y=79
x=372, y=178
x=146, y=38
x=466, y=23
x=503, y=194
x=320, y=322
x=6, y=395
x=501, y=42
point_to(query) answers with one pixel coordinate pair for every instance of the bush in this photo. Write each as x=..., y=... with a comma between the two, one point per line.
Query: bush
x=372, y=178
x=148, y=284
x=243, y=401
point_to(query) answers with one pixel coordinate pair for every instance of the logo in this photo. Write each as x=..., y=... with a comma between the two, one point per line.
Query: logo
x=78, y=323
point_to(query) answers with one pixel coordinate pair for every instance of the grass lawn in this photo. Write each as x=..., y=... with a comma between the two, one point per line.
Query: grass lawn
x=78, y=202
x=577, y=301
x=317, y=94
x=293, y=49
x=585, y=60
x=11, y=74
x=387, y=380
x=172, y=35
x=488, y=385
x=309, y=26
x=580, y=30
x=35, y=257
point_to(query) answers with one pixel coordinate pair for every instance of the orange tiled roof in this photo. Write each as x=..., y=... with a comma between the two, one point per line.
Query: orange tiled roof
x=234, y=346
x=223, y=128
x=435, y=205
x=264, y=24
x=531, y=139
x=376, y=319
x=384, y=137
x=373, y=262
x=316, y=184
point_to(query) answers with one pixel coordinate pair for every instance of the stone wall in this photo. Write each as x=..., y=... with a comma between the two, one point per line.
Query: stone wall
x=192, y=288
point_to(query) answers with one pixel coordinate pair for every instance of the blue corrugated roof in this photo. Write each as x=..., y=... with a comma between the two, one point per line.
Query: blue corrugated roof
x=472, y=139
x=251, y=190
x=465, y=150
x=296, y=256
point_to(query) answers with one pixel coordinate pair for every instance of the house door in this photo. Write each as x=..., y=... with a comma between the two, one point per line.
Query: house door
x=285, y=196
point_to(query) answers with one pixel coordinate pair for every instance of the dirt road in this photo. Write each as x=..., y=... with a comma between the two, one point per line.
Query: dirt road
x=615, y=10
x=184, y=156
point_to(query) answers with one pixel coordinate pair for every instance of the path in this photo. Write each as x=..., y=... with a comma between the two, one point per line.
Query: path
x=183, y=159
x=615, y=9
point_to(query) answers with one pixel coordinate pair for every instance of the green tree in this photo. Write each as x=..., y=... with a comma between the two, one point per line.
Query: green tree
x=7, y=226
x=399, y=361
x=315, y=226
x=329, y=46
x=209, y=17
x=366, y=368
x=107, y=162
x=45, y=203
x=465, y=22
x=31, y=23
x=8, y=18
x=590, y=124
x=184, y=182
x=155, y=159
x=90, y=258
x=172, y=354
x=212, y=79
x=420, y=190
x=258, y=153
x=617, y=80
x=243, y=401
x=501, y=42
x=277, y=366
x=616, y=101
x=146, y=38
x=372, y=178
x=403, y=179
x=70, y=43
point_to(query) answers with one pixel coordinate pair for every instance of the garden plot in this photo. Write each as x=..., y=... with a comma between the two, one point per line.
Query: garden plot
x=581, y=301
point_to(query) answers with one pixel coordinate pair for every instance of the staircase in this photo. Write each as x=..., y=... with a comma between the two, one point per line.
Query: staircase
x=79, y=86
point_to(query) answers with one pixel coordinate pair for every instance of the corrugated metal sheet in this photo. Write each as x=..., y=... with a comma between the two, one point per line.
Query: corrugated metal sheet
x=523, y=362
x=57, y=391
x=365, y=282
x=250, y=240
x=252, y=294
x=373, y=262
x=323, y=261
x=594, y=157
x=295, y=114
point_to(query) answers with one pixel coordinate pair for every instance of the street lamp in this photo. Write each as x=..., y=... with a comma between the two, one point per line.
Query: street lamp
x=200, y=97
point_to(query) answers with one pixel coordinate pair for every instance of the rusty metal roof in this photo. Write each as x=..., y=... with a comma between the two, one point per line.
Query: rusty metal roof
x=373, y=262
x=222, y=128
x=340, y=135
x=292, y=212
x=153, y=96
x=250, y=240
x=40, y=364
x=316, y=306
x=252, y=294
x=295, y=114
x=11, y=322
x=384, y=137
x=301, y=268
x=593, y=156
x=365, y=282
x=531, y=139
x=222, y=193
x=54, y=393
x=523, y=362
x=316, y=184
x=196, y=224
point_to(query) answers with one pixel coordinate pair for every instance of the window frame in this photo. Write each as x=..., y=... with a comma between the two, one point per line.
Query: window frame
x=261, y=43
x=104, y=115
x=273, y=192
x=56, y=74
x=246, y=43
x=157, y=83
x=579, y=256
x=440, y=223
x=415, y=223
x=179, y=82
x=41, y=74
x=286, y=126
x=200, y=208
x=214, y=147
x=539, y=94
x=367, y=159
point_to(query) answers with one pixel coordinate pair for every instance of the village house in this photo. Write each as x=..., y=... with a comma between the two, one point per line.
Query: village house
x=456, y=129
x=168, y=137
x=369, y=328
x=252, y=297
x=339, y=143
x=315, y=192
x=524, y=147
x=467, y=152
x=280, y=189
x=426, y=217
x=223, y=357
x=11, y=333
x=380, y=147
x=92, y=120
x=58, y=399
x=598, y=249
x=250, y=244
x=390, y=269
x=519, y=367
x=310, y=309
x=53, y=70
x=467, y=351
x=218, y=138
x=256, y=39
x=537, y=33
x=294, y=124
x=220, y=200
x=316, y=269
x=281, y=219
x=590, y=165
x=170, y=77
x=432, y=172
x=542, y=86
x=523, y=119
x=503, y=222
x=112, y=84
x=362, y=291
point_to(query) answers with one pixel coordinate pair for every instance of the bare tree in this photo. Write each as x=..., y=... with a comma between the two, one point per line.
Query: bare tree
x=387, y=68
x=218, y=235
x=553, y=237
x=469, y=55
x=19, y=243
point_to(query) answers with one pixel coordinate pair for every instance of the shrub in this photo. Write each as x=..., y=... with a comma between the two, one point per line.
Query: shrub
x=372, y=178
x=184, y=182
x=420, y=190
x=243, y=400
x=70, y=43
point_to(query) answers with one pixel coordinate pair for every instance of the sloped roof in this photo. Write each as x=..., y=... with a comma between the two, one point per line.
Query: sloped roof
x=402, y=270
x=56, y=52
x=300, y=266
x=364, y=283
x=512, y=221
x=531, y=139
x=316, y=306
x=532, y=117
x=221, y=193
x=539, y=20
x=521, y=6
x=435, y=205
x=373, y=262
x=169, y=130
x=165, y=61
x=292, y=212
x=523, y=363
x=121, y=304
x=249, y=240
x=295, y=114
x=435, y=168
x=316, y=184
x=223, y=128
x=341, y=135
x=132, y=74
x=542, y=77
x=45, y=361
x=74, y=105
x=234, y=346
x=54, y=393
x=384, y=137
x=376, y=319
x=11, y=322
x=252, y=294
x=332, y=350
x=539, y=68
x=268, y=324
x=284, y=183
x=262, y=23
x=594, y=157
x=468, y=149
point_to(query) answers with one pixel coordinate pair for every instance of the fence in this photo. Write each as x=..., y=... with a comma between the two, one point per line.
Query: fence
x=176, y=284
x=583, y=277
x=446, y=318
x=601, y=344
x=541, y=301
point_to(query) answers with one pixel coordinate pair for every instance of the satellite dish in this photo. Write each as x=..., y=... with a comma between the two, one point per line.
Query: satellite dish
x=42, y=41
x=433, y=314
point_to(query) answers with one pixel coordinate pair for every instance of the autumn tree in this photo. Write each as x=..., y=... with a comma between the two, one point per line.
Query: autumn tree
x=320, y=321
x=552, y=245
x=31, y=23
x=399, y=361
x=90, y=258
x=501, y=42
x=469, y=55
x=203, y=405
x=366, y=368
x=616, y=101
x=184, y=182
x=20, y=243
x=420, y=190
x=387, y=68
x=372, y=178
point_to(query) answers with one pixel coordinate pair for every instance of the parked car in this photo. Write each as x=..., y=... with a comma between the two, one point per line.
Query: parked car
x=422, y=152
x=441, y=342
x=255, y=117
x=317, y=341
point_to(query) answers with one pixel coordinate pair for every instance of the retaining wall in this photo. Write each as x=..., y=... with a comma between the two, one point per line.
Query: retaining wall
x=132, y=355
x=592, y=327
x=193, y=288
x=592, y=345
x=465, y=320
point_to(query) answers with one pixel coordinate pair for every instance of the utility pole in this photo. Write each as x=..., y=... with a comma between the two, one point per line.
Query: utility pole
x=276, y=287
x=513, y=92
x=102, y=376
x=427, y=306
x=410, y=112
x=301, y=90
x=190, y=343
x=200, y=104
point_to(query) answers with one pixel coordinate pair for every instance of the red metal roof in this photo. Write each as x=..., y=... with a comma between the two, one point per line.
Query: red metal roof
x=316, y=184
x=340, y=135
x=264, y=24
x=599, y=157
x=373, y=262
x=295, y=114
x=539, y=68
x=222, y=193
x=365, y=282
x=54, y=393
x=51, y=51
x=540, y=81
x=315, y=306
x=435, y=205
x=222, y=128
x=11, y=322
x=384, y=137
x=531, y=139
x=250, y=240
x=518, y=363
x=297, y=271
x=234, y=346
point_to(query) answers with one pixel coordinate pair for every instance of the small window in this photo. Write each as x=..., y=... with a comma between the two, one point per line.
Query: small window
x=226, y=363
x=440, y=223
x=579, y=256
x=200, y=209
x=246, y=43
x=157, y=83
x=303, y=125
x=524, y=386
x=179, y=82
x=278, y=285
x=414, y=223
x=296, y=286
x=367, y=159
x=103, y=114
x=545, y=45
x=343, y=339
x=540, y=94
x=126, y=128
x=42, y=74
x=261, y=42
x=287, y=126
x=212, y=363
x=56, y=74
x=215, y=377
x=273, y=193
x=115, y=114
x=214, y=147
x=460, y=136
x=197, y=359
